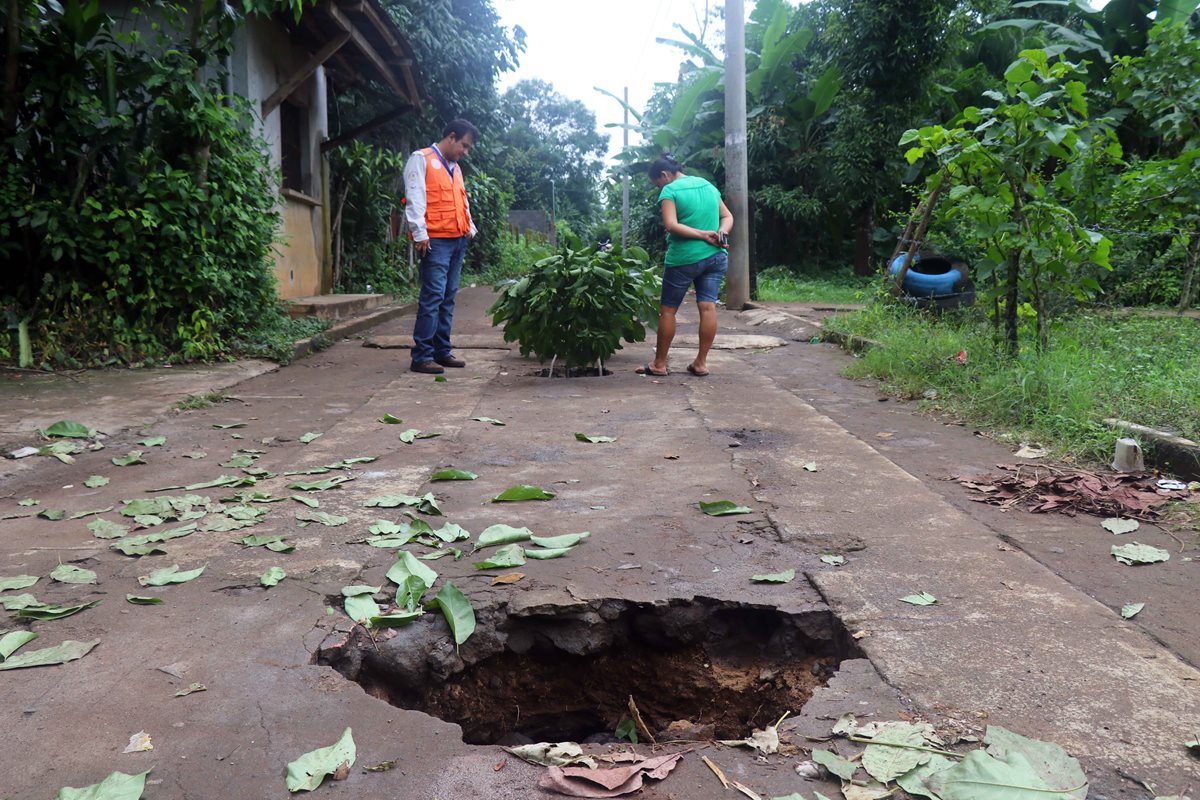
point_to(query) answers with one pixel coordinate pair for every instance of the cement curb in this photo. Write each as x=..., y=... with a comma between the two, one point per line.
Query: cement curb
x=1167, y=452
x=349, y=327
x=850, y=341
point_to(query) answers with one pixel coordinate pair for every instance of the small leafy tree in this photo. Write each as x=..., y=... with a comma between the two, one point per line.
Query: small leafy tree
x=578, y=304
x=1008, y=169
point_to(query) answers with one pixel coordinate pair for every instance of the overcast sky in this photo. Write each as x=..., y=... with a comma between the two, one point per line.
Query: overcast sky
x=578, y=44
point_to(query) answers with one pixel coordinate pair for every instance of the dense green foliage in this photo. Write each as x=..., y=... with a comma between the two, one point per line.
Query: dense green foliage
x=577, y=305
x=1102, y=365
x=136, y=211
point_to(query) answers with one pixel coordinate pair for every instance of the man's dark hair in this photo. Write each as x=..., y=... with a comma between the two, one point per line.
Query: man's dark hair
x=460, y=129
x=666, y=163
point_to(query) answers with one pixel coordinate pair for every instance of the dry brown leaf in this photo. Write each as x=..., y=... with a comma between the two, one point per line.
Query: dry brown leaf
x=885, y=435
x=342, y=772
x=507, y=578
x=637, y=720
x=671, y=458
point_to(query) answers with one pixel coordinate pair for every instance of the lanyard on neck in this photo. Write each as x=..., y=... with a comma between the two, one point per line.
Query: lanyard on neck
x=442, y=158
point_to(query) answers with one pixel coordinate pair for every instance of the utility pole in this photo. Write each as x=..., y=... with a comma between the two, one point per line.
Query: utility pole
x=553, y=214
x=625, y=180
x=737, y=287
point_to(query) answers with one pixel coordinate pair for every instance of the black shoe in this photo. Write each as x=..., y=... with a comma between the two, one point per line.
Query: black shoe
x=427, y=367
x=451, y=361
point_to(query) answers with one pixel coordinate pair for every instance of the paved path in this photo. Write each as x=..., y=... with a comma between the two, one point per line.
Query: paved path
x=1008, y=643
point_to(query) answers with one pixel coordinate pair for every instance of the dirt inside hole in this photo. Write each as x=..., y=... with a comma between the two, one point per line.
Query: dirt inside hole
x=695, y=670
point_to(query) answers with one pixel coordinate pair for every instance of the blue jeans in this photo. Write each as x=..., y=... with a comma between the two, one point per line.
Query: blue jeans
x=440, y=271
x=706, y=274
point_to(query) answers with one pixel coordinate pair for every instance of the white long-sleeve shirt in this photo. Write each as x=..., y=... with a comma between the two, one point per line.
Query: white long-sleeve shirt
x=414, y=193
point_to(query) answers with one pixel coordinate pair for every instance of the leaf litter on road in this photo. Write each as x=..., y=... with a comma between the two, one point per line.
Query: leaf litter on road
x=1136, y=553
x=18, y=582
x=272, y=577
x=501, y=534
x=66, y=573
x=192, y=689
x=129, y=459
x=310, y=437
x=143, y=600
x=1118, y=526
x=457, y=610
x=117, y=786
x=48, y=612
x=510, y=555
x=489, y=420
x=776, y=577
x=13, y=641
x=390, y=419
x=95, y=481
x=47, y=656
x=583, y=437
x=523, y=491
x=721, y=508
x=308, y=771
x=832, y=560
x=453, y=475
x=920, y=599
x=169, y=575
x=1131, y=610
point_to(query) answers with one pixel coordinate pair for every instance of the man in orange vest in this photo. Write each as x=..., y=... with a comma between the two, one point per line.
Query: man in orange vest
x=439, y=222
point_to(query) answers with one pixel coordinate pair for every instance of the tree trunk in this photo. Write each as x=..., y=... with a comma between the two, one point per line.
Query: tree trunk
x=753, y=249
x=12, y=47
x=1010, y=301
x=926, y=214
x=1187, y=291
x=864, y=238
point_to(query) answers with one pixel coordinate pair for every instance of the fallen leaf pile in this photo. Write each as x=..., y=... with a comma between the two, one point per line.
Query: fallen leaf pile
x=1070, y=491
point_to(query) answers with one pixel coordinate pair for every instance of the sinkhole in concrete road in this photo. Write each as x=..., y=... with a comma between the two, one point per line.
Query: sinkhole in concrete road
x=699, y=668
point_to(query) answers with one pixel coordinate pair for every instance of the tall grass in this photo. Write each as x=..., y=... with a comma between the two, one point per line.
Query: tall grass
x=1099, y=365
x=782, y=285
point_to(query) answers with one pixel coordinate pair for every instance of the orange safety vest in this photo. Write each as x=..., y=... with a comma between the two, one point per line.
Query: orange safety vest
x=446, y=207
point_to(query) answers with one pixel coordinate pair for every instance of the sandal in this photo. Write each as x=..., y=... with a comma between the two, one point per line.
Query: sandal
x=644, y=369
x=697, y=372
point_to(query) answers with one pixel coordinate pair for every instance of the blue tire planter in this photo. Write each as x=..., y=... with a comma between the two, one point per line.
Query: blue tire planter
x=922, y=284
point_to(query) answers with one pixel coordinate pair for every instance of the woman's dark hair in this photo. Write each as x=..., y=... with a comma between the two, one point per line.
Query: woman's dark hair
x=666, y=163
x=460, y=129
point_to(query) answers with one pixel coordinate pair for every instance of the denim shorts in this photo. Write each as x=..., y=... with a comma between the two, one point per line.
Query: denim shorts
x=707, y=276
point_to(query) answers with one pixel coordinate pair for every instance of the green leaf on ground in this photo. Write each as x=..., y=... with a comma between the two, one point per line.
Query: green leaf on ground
x=197, y=454
x=240, y=461
x=409, y=595
x=329, y=520
x=311, y=502
x=810, y=466
x=272, y=577
x=138, y=549
x=171, y=574
x=543, y=554
x=1049, y=761
x=511, y=555
x=457, y=610
x=833, y=561
x=627, y=729
x=92, y=512
x=885, y=763
x=361, y=607
x=439, y=379
x=451, y=532
x=117, y=786
x=128, y=460
x=192, y=689
x=396, y=619
x=307, y=772
x=95, y=481
x=52, y=514
x=24, y=600
x=453, y=475
x=359, y=589
x=408, y=564
x=980, y=777
x=922, y=599
x=558, y=542
x=226, y=426
x=160, y=506
x=383, y=527
x=17, y=582
x=320, y=486
x=143, y=600
x=45, y=612
x=523, y=491
x=223, y=524
x=502, y=534
x=309, y=471
x=13, y=641
x=445, y=551
x=1131, y=610
x=409, y=435
x=489, y=420
x=914, y=781
x=390, y=419
x=153, y=441
x=583, y=437
x=63, y=451
x=65, y=573
x=310, y=437
x=1118, y=526
x=834, y=763
x=27, y=502
x=1136, y=553
x=392, y=501
x=429, y=505
x=775, y=577
x=721, y=508
x=69, y=429
x=263, y=539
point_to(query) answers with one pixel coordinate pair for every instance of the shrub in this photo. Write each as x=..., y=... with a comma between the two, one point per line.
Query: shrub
x=578, y=305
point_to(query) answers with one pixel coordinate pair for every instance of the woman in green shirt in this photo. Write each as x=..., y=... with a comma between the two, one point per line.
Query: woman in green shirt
x=698, y=225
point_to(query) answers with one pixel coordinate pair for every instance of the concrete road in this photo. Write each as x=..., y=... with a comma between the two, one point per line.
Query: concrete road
x=1010, y=642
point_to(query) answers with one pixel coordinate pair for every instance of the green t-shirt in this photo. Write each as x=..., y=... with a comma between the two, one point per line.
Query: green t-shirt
x=697, y=205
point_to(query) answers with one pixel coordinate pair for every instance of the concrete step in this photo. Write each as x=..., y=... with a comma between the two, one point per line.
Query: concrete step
x=335, y=306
